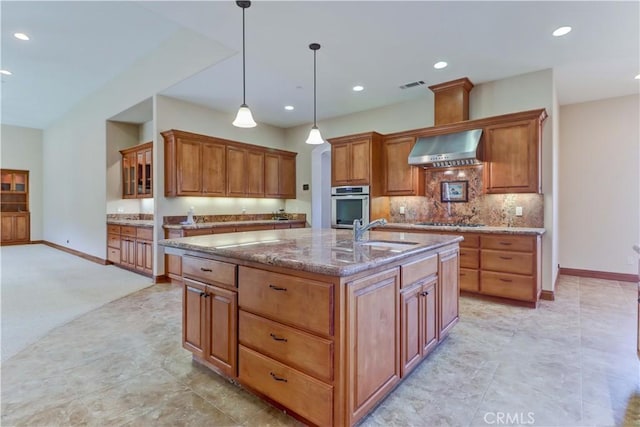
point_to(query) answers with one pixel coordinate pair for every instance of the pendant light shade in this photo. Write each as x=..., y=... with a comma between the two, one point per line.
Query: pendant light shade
x=244, y=118
x=314, y=135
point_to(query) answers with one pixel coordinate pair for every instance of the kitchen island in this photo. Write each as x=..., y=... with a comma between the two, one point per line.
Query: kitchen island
x=312, y=321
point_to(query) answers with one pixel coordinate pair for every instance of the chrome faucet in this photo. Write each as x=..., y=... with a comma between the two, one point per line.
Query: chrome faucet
x=359, y=229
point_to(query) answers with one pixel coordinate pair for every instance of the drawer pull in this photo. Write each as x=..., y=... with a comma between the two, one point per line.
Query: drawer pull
x=463, y=274
x=506, y=280
x=505, y=257
x=506, y=243
x=276, y=288
x=425, y=293
x=277, y=378
x=277, y=338
x=208, y=270
x=202, y=294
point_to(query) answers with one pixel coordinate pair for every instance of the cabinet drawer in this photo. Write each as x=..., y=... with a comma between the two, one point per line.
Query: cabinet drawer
x=508, y=285
x=144, y=233
x=469, y=280
x=288, y=299
x=113, y=255
x=209, y=271
x=511, y=243
x=281, y=225
x=507, y=262
x=418, y=270
x=197, y=232
x=127, y=230
x=113, y=229
x=113, y=240
x=254, y=227
x=301, y=350
x=470, y=241
x=301, y=393
x=469, y=258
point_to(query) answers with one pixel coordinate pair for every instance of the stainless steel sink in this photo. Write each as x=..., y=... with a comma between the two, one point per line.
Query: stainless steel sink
x=388, y=244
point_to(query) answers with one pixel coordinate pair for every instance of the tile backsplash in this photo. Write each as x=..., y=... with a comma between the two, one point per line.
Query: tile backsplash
x=496, y=210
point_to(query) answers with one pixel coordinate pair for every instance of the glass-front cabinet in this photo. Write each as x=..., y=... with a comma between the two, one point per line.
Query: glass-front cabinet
x=137, y=171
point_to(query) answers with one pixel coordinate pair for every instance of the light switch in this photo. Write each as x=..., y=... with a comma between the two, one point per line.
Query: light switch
x=401, y=210
x=518, y=210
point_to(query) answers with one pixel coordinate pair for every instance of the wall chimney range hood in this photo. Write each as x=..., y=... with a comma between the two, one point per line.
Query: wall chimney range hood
x=452, y=149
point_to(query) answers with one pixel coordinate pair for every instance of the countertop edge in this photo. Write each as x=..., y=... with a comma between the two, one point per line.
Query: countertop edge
x=479, y=230
x=201, y=225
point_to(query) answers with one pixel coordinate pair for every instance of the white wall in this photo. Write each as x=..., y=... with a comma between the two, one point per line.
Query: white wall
x=75, y=146
x=119, y=136
x=21, y=148
x=600, y=184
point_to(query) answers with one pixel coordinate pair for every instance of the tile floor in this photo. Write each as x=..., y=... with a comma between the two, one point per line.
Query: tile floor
x=571, y=362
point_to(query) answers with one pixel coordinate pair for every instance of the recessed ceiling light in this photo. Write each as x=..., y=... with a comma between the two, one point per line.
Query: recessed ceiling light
x=638, y=77
x=562, y=31
x=358, y=88
x=21, y=36
x=288, y=107
x=440, y=65
x=6, y=72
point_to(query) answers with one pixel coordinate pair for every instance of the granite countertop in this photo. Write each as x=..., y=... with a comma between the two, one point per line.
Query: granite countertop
x=324, y=251
x=482, y=229
x=198, y=225
x=133, y=222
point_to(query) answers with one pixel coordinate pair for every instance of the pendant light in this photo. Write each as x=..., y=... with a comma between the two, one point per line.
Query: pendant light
x=314, y=136
x=244, y=119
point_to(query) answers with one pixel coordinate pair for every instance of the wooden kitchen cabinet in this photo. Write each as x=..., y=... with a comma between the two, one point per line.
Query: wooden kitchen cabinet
x=131, y=247
x=279, y=176
x=210, y=312
x=15, y=227
x=373, y=323
x=400, y=178
x=512, y=154
x=245, y=172
x=449, y=289
x=353, y=158
x=137, y=171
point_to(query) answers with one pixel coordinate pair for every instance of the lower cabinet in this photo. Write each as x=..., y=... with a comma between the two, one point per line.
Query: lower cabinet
x=15, y=227
x=210, y=309
x=373, y=325
x=131, y=247
x=449, y=273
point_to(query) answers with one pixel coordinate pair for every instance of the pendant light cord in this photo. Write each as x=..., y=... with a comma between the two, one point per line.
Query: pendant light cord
x=244, y=83
x=314, y=87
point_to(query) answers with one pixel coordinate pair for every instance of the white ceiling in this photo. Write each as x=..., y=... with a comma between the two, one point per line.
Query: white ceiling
x=77, y=47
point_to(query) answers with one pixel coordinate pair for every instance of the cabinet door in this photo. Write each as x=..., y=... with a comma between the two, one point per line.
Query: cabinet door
x=7, y=228
x=271, y=175
x=429, y=316
x=193, y=317
x=222, y=314
x=148, y=173
x=448, y=273
x=144, y=173
x=129, y=176
x=400, y=178
x=21, y=232
x=236, y=172
x=410, y=337
x=255, y=174
x=360, y=162
x=214, y=174
x=512, y=158
x=287, y=177
x=6, y=181
x=189, y=167
x=20, y=184
x=128, y=252
x=340, y=164
x=373, y=325
x=144, y=256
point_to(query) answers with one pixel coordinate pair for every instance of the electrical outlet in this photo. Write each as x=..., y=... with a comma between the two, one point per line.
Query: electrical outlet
x=518, y=210
x=401, y=210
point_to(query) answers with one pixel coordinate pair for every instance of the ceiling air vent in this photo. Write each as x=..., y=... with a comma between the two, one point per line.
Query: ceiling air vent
x=412, y=84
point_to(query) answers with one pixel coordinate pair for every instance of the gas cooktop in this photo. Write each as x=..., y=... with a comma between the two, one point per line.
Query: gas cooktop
x=450, y=224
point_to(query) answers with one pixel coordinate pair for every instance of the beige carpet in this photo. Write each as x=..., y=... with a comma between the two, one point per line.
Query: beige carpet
x=43, y=288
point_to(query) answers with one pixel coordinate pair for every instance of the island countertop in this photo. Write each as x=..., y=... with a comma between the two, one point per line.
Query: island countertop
x=325, y=251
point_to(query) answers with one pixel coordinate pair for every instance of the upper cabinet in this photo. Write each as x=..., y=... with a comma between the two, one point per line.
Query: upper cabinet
x=399, y=177
x=137, y=171
x=512, y=154
x=15, y=181
x=353, y=158
x=200, y=165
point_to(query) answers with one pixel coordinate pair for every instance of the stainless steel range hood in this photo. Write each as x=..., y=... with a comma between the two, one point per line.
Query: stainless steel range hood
x=441, y=151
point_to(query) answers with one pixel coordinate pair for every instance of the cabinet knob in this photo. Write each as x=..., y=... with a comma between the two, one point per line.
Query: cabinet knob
x=277, y=378
x=506, y=280
x=277, y=288
x=425, y=293
x=208, y=270
x=202, y=294
x=505, y=243
x=505, y=257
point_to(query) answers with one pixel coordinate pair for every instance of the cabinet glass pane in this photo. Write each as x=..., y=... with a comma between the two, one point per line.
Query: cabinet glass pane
x=6, y=181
